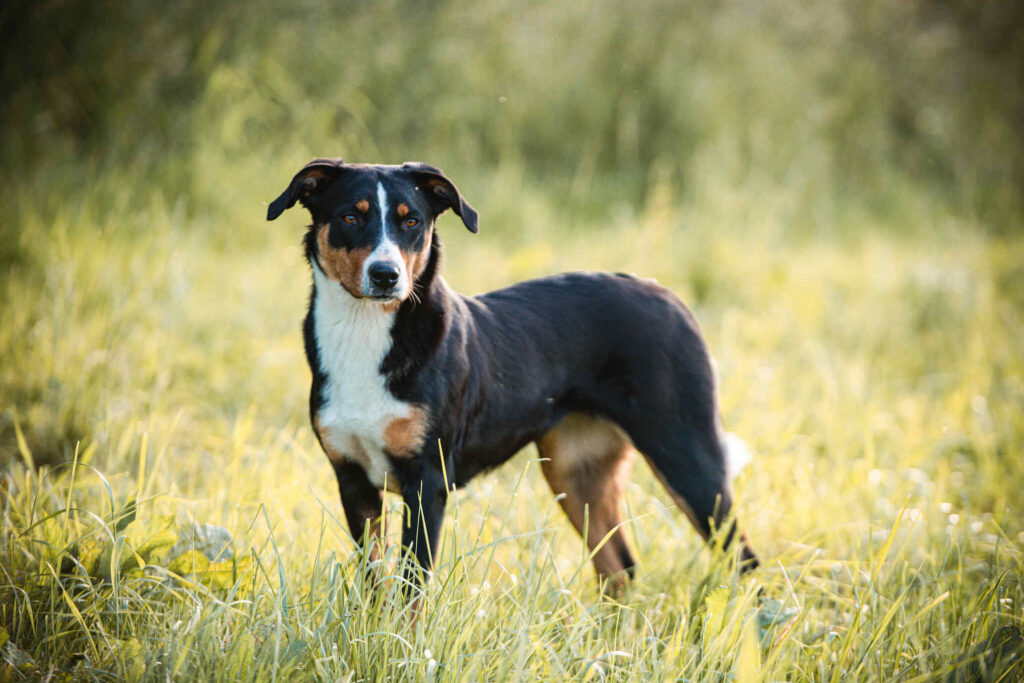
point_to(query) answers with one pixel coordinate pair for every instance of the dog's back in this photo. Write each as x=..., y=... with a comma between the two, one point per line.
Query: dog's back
x=613, y=345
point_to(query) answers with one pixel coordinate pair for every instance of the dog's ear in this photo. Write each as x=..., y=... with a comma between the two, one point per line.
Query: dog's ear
x=316, y=176
x=441, y=193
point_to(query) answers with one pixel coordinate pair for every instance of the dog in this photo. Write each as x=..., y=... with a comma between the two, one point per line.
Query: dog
x=417, y=389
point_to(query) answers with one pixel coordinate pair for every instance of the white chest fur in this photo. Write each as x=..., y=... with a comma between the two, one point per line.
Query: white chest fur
x=353, y=336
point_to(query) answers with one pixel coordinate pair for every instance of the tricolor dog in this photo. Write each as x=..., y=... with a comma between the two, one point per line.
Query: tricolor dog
x=417, y=389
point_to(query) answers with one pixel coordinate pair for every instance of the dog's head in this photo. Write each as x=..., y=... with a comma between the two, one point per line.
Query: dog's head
x=372, y=225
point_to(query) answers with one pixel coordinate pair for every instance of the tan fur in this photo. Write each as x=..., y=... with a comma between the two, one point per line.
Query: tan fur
x=325, y=440
x=404, y=436
x=416, y=262
x=317, y=175
x=341, y=265
x=588, y=459
x=403, y=210
x=353, y=451
x=363, y=205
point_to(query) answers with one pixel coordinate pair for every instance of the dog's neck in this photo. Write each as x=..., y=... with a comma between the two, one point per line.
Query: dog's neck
x=421, y=323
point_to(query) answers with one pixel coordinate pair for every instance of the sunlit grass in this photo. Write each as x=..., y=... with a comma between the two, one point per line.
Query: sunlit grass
x=879, y=380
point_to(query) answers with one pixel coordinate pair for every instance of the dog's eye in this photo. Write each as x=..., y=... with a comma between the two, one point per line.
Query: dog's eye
x=349, y=218
x=411, y=222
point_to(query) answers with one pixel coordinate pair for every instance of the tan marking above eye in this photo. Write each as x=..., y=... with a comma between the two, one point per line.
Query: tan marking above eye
x=363, y=205
x=403, y=210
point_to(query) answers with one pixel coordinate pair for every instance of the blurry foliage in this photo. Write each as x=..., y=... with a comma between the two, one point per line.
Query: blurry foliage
x=849, y=108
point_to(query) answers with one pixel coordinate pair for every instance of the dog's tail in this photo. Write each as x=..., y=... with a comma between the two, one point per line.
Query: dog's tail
x=737, y=454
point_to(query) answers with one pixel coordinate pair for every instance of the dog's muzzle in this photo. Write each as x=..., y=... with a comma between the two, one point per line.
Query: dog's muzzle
x=384, y=280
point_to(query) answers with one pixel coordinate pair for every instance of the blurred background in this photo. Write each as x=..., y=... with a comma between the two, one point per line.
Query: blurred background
x=818, y=117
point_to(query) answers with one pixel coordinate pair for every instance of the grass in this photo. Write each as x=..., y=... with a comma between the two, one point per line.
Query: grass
x=877, y=377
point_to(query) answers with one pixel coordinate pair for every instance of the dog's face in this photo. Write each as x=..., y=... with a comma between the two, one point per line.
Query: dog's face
x=372, y=225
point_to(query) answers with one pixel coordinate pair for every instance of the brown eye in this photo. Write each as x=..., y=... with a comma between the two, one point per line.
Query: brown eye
x=411, y=222
x=350, y=219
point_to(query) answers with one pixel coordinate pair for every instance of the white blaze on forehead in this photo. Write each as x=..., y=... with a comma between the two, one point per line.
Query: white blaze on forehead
x=382, y=202
x=386, y=250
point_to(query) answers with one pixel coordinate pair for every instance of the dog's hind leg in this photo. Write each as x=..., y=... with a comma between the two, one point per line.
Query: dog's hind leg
x=691, y=464
x=586, y=459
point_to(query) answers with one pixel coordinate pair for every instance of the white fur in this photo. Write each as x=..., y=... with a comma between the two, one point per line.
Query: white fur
x=737, y=454
x=386, y=250
x=382, y=201
x=353, y=336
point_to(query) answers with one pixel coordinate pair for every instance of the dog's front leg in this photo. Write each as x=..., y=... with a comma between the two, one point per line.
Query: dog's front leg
x=425, y=497
x=363, y=504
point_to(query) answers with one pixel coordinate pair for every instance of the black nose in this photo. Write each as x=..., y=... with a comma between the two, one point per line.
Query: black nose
x=383, y=275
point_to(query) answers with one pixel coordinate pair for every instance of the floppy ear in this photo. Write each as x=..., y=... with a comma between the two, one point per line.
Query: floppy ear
x=316, y=175
x=441, y=192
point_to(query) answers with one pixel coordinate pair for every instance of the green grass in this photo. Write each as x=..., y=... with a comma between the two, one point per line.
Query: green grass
x=878, y=378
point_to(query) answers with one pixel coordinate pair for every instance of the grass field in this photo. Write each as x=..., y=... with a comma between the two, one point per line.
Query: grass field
x=879, y=380
x=167, y=513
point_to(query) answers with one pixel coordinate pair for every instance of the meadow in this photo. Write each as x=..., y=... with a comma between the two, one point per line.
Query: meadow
x=835, y=191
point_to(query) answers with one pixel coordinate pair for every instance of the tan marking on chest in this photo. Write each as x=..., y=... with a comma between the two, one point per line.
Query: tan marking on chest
x=324, y=434
x=341, y=265
x=352, y=452
x=349, y=449
x=404, y=436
